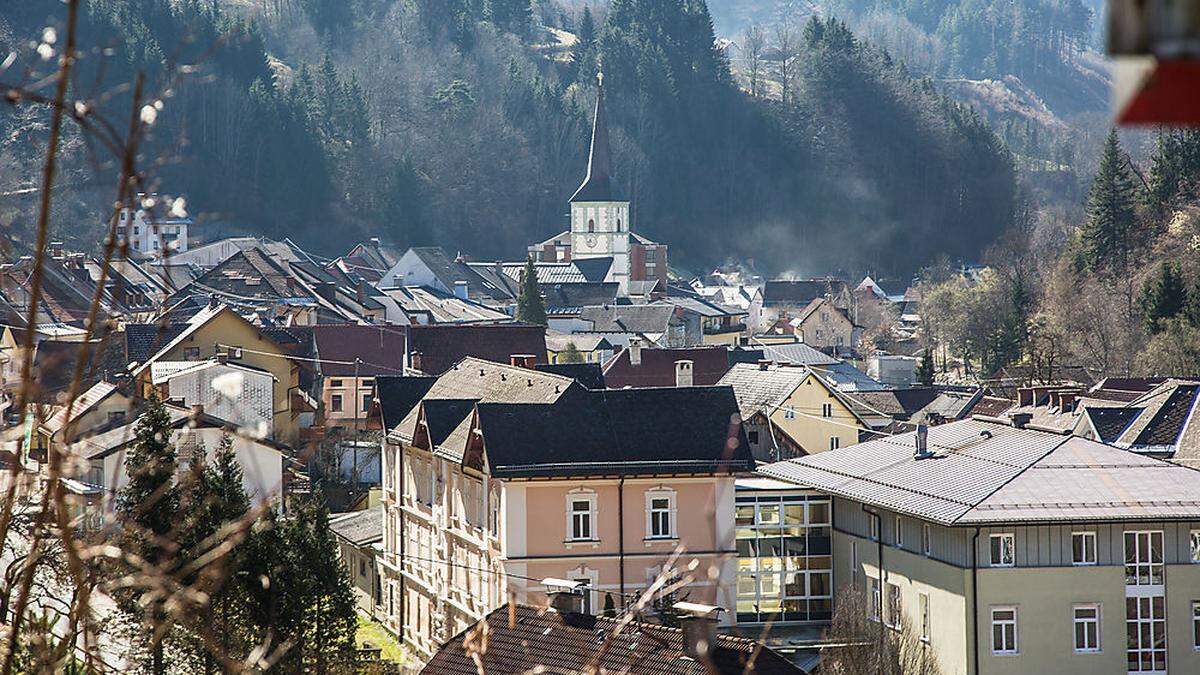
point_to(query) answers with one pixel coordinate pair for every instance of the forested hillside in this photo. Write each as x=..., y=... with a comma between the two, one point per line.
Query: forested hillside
x=464, y=123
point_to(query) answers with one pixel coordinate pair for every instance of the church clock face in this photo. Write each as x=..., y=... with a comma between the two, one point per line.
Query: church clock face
x=590, y=241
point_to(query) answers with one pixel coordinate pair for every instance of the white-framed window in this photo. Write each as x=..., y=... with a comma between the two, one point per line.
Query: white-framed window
x=789, y=413
x=875, y=597
x=1087, y=627
x=1146, y=628
x=581, y=515
x=834, y=442
x=923, y=601
x=926, y=539
x=660, y=514
x=1196, y=625
x=826, y=410
x=874, y=525
x=894, y=614
x=899, y=525
x=335, y=403
x=1144, y=558
x=1002, y=550
x=1195, y=539
x=1083, y=548
x=1004, y=630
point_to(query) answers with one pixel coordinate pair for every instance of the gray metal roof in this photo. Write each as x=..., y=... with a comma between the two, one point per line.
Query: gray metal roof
x=987, y=472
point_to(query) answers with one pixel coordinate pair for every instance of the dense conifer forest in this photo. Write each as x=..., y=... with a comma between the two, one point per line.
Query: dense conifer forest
x=464, y=123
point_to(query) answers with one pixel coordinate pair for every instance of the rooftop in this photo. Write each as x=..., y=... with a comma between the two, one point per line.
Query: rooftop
x=985, y=472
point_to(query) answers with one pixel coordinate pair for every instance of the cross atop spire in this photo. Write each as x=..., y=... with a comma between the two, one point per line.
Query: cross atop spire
x=597, y=186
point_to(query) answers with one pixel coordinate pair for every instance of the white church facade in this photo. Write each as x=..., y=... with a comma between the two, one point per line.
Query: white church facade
x=600, y=224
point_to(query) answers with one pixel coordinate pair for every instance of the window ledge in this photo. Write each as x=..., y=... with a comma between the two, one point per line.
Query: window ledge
x=660, y=540
x=571, y=543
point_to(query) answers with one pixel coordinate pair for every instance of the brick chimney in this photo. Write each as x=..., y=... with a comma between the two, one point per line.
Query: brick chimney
x=699, y=624
x=523, y=360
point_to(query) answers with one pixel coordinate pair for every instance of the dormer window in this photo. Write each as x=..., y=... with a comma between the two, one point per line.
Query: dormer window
x=591, y=225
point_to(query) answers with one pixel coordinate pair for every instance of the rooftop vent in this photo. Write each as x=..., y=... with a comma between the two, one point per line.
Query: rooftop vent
x=1019, y=420
x=922, y=437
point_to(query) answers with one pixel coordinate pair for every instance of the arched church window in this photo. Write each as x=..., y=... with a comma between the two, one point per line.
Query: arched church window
x=591, y=225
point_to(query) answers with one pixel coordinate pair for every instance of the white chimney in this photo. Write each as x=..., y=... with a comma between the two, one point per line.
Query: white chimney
x=635, y=352
x=566, y=597
x=460, y=289
x=683, y=373
x=922, y=438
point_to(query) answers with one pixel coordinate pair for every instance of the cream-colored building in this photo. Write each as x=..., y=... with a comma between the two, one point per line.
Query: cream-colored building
x=792, y=410
x=822, y=324
x=503, y=476
x=1011, y=550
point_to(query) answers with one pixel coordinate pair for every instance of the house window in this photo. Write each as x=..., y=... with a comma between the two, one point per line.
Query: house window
x=336, y=384
x=923, y=601
x=1002, y=549
x=591, y=225
x=618, y=224
x=1083, y=548
x=1196, y=625
x=1195, y=546
x=660, y=514
x=366, y=402
x=583, y=586
x=899, y=525
x=335, y=403
x=1144, y=558
x=1087, y=628
x=1146, y=627
x=893, y=605
x=581, y=509
x=876, y=600
x=362, y=567
x=651, y=256
x=854, y=564
x=789, y=413
x=926, y=539
x=874, y=527
x=834, y=442
x=826, y=410
x=1004, y=630
x=753, y=435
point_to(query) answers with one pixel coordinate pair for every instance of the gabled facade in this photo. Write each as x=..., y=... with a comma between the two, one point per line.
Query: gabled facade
x=825, y=326
x=220, y=331
x=792, y=411
x=501, y=475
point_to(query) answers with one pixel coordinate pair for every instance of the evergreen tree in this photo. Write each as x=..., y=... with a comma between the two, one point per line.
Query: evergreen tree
x=529, y=303
x=1174, y=169
x=570, y=354
x=1163, y=297
x=1108, y=234
x=610, y=606
x=514, y=16
x=149, y=507
x=324, y=636
x=925, y=368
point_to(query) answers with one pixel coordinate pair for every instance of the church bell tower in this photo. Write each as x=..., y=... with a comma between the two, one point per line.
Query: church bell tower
x=599, y=216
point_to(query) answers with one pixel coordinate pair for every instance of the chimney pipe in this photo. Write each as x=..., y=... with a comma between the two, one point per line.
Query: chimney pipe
x=635, y=352
x=414, y=360
x=922, y=438
x=1019, y=420
x=683, y=373
x=764, y=364
x=699, y=624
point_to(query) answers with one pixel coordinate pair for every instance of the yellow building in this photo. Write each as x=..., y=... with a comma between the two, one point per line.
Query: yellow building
x=220, y=330
x=1010, y=550
x=792, y=411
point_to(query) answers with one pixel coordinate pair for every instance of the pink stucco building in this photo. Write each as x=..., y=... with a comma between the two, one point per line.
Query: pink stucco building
x=502, y=476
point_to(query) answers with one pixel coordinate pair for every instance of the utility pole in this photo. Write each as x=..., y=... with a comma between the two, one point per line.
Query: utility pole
x=357, y=403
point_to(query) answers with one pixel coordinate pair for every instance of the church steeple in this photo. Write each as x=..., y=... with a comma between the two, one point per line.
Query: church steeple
x=597, y=185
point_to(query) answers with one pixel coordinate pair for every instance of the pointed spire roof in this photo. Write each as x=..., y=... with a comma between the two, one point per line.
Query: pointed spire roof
x=597, y=185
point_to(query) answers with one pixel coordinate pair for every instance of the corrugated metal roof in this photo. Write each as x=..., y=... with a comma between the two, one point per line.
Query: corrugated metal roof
x=986, y=472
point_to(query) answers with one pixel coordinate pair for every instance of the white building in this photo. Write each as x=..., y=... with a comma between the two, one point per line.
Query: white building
x=235, y=392
x=150, y=234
